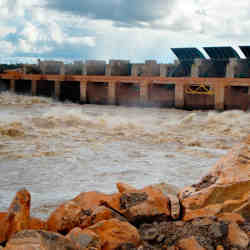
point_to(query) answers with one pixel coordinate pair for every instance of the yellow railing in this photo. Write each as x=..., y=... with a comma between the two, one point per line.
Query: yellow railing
x=201, y=89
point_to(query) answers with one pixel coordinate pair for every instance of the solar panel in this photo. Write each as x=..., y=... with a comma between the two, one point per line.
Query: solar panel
x=245, y=50
x=221, y=53
x=184, y=54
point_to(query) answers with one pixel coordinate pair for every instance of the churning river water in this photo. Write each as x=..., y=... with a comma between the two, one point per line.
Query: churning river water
x=57, y=150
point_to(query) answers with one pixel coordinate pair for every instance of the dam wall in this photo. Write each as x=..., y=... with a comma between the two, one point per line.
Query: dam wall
x=188, y=84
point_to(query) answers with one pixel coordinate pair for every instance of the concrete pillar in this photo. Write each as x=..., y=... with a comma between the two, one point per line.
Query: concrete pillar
x=34, y=87
x=219, y=97
x=42, y=67
x=137, y=69
x=25, y=69
x=163, y=70
x=112, y=93
x=108, y=70
x=134, y=70
x=12, y=85
x=57, y=90
x=195, y=69
x=62, y=69
x=179, y=95
x=83, y=91
x=231, y=67
x=144, y=92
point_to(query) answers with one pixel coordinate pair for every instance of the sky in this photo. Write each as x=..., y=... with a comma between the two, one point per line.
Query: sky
x=136, y=30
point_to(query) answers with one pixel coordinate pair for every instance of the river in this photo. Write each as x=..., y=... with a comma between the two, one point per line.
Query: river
x=57, y=150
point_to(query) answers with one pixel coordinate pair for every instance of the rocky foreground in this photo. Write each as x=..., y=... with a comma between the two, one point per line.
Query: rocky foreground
x=212, y=214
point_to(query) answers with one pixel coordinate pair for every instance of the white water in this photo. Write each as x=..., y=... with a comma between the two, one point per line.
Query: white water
x=57, y=150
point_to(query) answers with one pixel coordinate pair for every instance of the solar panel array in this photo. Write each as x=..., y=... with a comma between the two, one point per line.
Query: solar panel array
x=215, y=53
x=187, y=53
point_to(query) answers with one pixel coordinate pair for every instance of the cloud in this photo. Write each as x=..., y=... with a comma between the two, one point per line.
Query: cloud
x=122, y=12
x=87, y=40
x=7, y=48
x=126, y=29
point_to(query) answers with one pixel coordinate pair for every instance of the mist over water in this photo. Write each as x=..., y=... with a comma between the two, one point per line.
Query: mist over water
x=57, y=150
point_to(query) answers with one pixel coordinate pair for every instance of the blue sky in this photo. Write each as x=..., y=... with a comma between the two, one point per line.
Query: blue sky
x=118, y=29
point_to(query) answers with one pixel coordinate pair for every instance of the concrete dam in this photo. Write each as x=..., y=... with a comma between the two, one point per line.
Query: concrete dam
x=221, y=82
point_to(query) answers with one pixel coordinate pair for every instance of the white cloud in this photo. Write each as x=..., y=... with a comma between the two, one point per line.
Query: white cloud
x=7, y=48
x=31, y=33
x=87, y=40
x=196, y=23
x=5, y=30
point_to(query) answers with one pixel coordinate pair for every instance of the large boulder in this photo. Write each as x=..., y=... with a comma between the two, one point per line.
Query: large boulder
x=39, y=240
x=77, y=212
x=18, y=216
x=149, y=203
x=225, y=189
x=131, y=204
x=114, y=234
x=84, y=240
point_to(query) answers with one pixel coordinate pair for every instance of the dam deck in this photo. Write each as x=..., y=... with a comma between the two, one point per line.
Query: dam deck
x=179, y=92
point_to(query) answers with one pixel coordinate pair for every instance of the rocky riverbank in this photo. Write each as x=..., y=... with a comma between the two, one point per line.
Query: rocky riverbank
x=212, y=214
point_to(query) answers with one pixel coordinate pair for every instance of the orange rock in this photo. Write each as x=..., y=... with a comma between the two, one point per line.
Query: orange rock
x=114, y=233
x=123, y=187
x=18, y=217
x=104, y=213
x=4, y=227
x=146, y=202
x=91, y=200
x=66, y=217
x=227, y=185
x=3, y=215
x=39, y=240
x=189, y=244
x=237, y=237
x=77, y=212
x=84, y=240
x=37, y=224
x=20, y=209
x=208, y=211
x=244, y=210
x=101, y=213
x=170, y=191
x=219, y=247
x=231, y=217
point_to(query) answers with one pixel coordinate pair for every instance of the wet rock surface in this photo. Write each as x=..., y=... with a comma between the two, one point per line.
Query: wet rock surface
x=225, y=189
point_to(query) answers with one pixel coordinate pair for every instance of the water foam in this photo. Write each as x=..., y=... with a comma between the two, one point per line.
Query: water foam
x=7, y=98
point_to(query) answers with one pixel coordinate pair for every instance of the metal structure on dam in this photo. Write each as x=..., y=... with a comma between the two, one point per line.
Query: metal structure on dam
x=194, y=82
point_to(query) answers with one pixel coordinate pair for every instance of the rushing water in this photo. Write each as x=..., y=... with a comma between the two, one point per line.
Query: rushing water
x=57, y=150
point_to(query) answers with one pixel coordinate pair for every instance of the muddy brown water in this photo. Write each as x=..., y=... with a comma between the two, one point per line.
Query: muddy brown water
x=57, y=150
